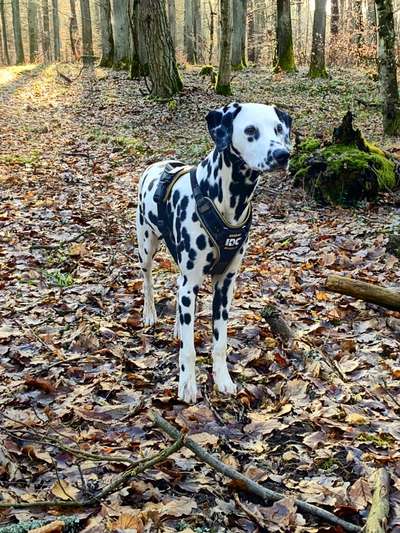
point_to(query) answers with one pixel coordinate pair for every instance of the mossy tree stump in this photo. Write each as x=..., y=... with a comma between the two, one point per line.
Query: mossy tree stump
x=346, y=171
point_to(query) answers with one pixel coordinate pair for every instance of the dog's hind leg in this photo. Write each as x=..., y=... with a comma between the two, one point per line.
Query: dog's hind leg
x=148, y=244
x=177, y=328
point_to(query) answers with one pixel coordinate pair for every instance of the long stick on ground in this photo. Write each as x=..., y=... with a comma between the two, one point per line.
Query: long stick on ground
x=251, y=486
x=388, y=298
x=379, y=512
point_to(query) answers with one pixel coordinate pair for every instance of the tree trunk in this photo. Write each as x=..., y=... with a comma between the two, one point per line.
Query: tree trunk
x=120, y=26
x=317, y=63
x=358, y=24
x=73, y=31
x=56, y=31
x=212, y=31
x=251, y=38
x=4, y=33
x=19, y=48
x=46, y=32
x=138, y=59
x=33, y=30
x=387, y=67
x=163, y=71
x=87, y=39
x=372, y=23
x=197, y=32
x=334, y=18
x=107, y=41
x=188, y=37
x=223, y=85
x=239, y=50
x=284, y=59
x=172, y=19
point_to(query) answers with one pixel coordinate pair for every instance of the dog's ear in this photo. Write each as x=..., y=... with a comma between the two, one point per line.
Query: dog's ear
x=220, y=126
x=284, y=117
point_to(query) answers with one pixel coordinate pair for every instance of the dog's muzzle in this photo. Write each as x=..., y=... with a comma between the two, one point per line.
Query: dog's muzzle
x=281, y=157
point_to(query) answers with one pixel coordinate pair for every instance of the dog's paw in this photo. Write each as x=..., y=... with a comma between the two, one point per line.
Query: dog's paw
x=224, y=381
x=187, y=390
x=149, y=315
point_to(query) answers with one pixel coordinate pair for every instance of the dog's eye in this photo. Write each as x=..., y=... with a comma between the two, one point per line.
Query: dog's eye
x=279, y=128
x=250, y=130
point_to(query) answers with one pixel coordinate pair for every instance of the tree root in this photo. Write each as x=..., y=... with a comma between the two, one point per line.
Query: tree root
x=379, y=512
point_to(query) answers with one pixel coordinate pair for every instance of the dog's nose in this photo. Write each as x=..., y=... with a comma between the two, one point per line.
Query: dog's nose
x=281, y=157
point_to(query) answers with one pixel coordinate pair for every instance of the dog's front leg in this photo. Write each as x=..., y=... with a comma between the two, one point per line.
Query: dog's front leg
x=187, y=292
x=223, y=285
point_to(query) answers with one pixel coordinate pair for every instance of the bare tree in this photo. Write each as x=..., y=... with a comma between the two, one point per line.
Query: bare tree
x=19, y=48
x=172, y=19
x=239, y=45
x=33, y=31
x=334, y=18
x=317, y=63
x=4, y=33
x=56, y=30
x=73, y=31
x=284, y=57
x=197, y=32
x=387, y=67
x=46, y=31
x=87, y=39
x=223, y=85
x=138, y=59
x=163, y=71
x=107, y=39
x=120, y=24
x=188, y=37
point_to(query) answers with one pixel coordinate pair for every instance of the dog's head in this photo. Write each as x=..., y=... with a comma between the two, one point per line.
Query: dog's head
x=258, y=133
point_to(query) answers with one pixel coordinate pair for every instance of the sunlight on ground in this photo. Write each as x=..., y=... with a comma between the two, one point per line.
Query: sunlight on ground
x=8, y=74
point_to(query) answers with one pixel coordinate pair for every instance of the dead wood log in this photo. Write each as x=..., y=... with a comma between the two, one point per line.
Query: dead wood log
x=388, y=298
x=247, y=483
x=379, y=512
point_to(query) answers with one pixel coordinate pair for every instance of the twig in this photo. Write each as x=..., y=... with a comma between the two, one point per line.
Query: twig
x=379, y=512
x=367, y=104
x=251, y=486
x=119, y=482
x=249, y=513
x=76, y=154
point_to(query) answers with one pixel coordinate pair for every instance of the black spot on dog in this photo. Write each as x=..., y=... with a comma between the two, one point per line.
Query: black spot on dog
x=183, y=368
x=141, y=219
x=225, y=314
x=216, y=334
x=187, y=318
x=185, y=301
x=146, y=234
x=201, y=242
x=175, y=197
x=184, y=281
x=192, y=254
x=195, y=289
x=195, y=218
x=151, y=185
x=204, y=163
x=152, y=218
x=190, y=265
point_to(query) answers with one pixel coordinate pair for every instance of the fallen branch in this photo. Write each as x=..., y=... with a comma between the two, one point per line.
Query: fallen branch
x=277, y=323
x=388, y=298
x=379, y=512
x=119, y=482
x=249, y=484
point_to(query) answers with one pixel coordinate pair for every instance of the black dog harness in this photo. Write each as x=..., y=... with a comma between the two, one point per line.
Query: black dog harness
x=227, y=239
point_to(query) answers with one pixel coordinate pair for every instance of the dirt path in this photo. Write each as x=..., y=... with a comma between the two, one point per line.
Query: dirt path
x=316, y=421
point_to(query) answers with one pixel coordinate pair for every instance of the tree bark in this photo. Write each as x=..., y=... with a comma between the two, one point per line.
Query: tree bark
x=251, y=38
x=163, y=71
x=73, y=31
x=388, y=298
x=56, y=30
x=223, y=85
x=107, y=40
x=317, y=63
x=172, y=19
x=188, y=36
x=87, y=39
x=284, y=59
x=387, y=67
x=4, y=33
x=379, y=512
x=334, y=18
x=120, y=26
x=138, y=59
x=197, y=32
x=46, y=32
x=239, y=47
x=19, y=48
x=33, y=30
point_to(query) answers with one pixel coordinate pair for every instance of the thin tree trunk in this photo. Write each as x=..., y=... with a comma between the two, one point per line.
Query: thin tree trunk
x=19, y=48
x=4, y=32
x=197, y=31
x=239, y=48
x=120, y=25
x=73, y=31
x=46, y=32
x=107, y=40
x=56, y=30
x=163, y=71
x=334, y=18
x=284, y=58
x=317, y=63
x=33, y=30
x=188, y=36
x=223, y=85
x=251, y=32
x=212, y=32
x=387, y=67
x=87, y=39
x=172, y=19
x=138, y=60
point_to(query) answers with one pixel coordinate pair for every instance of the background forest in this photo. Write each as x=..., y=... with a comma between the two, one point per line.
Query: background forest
x=91, y=93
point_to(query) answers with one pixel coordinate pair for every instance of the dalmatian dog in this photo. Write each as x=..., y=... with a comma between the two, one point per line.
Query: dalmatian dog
x=249, y=139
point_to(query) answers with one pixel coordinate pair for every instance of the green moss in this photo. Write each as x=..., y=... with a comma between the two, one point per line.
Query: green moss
x=206, y=70
x=318, y=73
x=382, y=440
x=238, y=67
x=20, y=159
x=225, y=90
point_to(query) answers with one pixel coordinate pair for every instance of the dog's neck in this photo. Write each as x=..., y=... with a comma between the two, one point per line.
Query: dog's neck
x=229, y=182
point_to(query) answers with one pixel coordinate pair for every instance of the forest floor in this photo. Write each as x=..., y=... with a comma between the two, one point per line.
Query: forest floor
x=76, y=364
